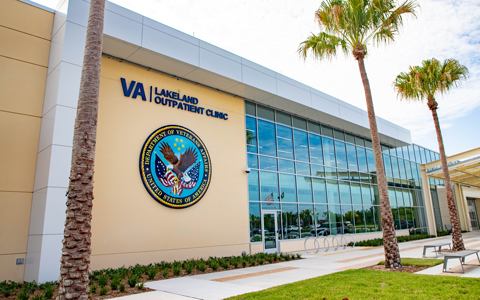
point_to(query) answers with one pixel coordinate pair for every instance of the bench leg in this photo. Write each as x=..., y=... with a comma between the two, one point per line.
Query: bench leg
x=445, y=260
x=462, y=262
x=424, y=251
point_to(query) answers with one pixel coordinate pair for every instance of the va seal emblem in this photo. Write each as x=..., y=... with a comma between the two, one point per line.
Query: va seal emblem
x=175, y=166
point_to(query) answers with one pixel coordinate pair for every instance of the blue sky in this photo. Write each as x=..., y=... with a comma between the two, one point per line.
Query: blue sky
x=268, y=32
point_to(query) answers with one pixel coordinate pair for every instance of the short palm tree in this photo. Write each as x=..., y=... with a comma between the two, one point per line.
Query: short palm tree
x=350, y=25
x=424, y=82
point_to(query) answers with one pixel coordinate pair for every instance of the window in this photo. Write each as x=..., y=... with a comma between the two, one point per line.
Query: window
x=251, y=135
x=341, y=155
x=304, y=186
x=253, y=186
x=266, y=138
x=352, y=157
x=316, y=153
x=288, y=189
x=301, y=145
x=284, y=142
x=268, y=186
x=328, y=152
x=319, y=191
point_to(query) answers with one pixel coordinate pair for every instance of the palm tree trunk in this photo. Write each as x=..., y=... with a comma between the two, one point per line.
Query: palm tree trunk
x=392, y=252
x=457, y=239
x=75, y=259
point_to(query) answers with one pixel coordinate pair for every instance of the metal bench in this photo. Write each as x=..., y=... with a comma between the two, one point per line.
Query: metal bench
x=461, y=256
x=434, y=246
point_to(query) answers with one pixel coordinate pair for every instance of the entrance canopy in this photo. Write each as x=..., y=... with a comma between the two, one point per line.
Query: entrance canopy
x=464, y=168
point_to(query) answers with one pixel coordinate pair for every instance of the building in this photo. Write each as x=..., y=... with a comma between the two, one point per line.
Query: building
x=199, y=153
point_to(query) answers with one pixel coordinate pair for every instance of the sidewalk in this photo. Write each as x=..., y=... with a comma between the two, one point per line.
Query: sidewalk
x=226, y=284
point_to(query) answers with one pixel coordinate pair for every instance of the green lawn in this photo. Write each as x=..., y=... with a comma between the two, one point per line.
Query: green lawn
x=367, y=284
x=420, y=262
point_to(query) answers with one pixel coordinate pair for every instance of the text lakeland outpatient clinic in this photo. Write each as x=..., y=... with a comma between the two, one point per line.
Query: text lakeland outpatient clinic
x=166, y=97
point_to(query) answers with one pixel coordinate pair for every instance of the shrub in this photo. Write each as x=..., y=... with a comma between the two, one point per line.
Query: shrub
x=132, y=280
x=103, y=291
x=38, y=297
x=49, y=292
x=121, y=287
x=201, y=266
x=189, y=268
x=93, y=289
x=102, y=280
x=152, y=273
x=140, y=285
x=165, y=272
x=115, y=283
x=214, y=265
x=298, y=255
x=23, y=295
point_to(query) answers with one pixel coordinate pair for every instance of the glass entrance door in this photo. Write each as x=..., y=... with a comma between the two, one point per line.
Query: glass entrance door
x=472, y=210
x=270, y=231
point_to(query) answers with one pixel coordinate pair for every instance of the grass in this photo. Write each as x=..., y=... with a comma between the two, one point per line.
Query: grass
x=419, y=262
x=367, y=284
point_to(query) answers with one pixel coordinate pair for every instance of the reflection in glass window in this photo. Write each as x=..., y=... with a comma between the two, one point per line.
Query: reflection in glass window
x=335, y=219
x=268, y=186
x=348, y=219
x=401, y=168
x=408, y=170
x=369, y=218
x=354, y=176
x=287, y=166
x=301, y=145
x=376, y=197
x=366, y=195
x=253, y=186
x=360, y=141
x=321, y=218
x=331, y=173
x=368, y=144
x=304, y=186
x=251, y=134
x=268, y=163
x=409, y=217
x=328, y=152
x=332, y=191
x=303, y=169
x=341, y=155
x=352, y=157
x=255, y=224
x=266, y=138
x=387, y=165
x=413, y=198
x=318, y=171
x=345, y=197
x=316, y=153
x=288, y=191
x=399, y=194
x=402, y=218
x=362, y=160
x=365, y=178
x=252, y=161
x=378, y=218
x=290, y=221
x=395, y=170
x=328, y=131
x=391, y=197
x=396, y=219
x=371, y=161
x=284, y=142
x=343, y=174
x=319, y=191
x=249, y=108
x=356, y=194
x=359, y=219
x=306, y=220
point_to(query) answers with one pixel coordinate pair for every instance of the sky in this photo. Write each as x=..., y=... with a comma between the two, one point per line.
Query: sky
x=268, y=32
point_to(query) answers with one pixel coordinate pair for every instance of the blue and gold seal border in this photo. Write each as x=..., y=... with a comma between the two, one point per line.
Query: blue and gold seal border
x=146, y=155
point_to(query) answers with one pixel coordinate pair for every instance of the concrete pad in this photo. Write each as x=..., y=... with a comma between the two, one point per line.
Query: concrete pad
x=156, y=295
x=200, y=289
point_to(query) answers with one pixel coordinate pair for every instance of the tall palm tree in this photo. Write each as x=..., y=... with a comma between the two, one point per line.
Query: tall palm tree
x=350, y=25
x=75, y=259
x=424, y=82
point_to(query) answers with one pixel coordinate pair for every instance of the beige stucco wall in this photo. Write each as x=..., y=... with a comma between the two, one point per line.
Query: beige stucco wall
x=128, y=225
x=25, y=33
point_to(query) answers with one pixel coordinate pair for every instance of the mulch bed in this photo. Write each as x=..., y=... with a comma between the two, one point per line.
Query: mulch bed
x=405, y=269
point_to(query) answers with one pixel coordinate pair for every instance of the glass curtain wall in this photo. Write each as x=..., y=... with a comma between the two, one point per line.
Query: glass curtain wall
x=323, y=180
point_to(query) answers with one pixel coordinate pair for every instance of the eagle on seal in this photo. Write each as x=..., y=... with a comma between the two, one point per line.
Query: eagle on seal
x=180, y=165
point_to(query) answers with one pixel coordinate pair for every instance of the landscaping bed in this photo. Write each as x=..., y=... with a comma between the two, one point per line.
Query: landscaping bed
x=111, y=283
x=410, y=265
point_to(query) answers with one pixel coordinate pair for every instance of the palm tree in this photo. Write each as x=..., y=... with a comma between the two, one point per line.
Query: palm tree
x=350, y=25
x=76, y=251
x=424, y=82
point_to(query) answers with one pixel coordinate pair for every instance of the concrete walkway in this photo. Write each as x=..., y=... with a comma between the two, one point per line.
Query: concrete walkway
x=226, y=284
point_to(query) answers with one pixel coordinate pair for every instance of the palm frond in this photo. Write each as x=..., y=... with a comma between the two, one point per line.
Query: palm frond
x=322, y=46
